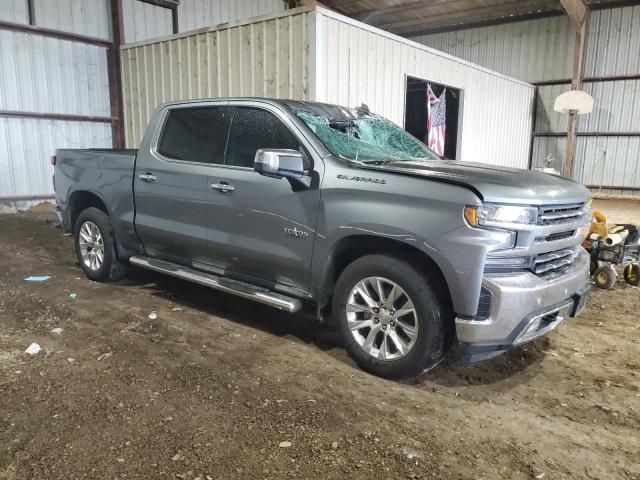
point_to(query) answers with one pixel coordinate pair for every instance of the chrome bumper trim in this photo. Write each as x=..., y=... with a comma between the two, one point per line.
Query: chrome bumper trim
x=515, y=297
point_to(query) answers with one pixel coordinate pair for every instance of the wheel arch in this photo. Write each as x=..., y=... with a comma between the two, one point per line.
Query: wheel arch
x=81, y=200
x=350, y=248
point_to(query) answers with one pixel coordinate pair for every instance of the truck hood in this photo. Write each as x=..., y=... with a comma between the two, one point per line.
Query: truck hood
x=493, y=183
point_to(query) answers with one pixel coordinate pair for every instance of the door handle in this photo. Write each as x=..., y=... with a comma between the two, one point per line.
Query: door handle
x=223, y=187
x=147, y=177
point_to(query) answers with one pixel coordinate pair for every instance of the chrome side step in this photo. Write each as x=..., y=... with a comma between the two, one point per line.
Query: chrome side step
x=241, y=289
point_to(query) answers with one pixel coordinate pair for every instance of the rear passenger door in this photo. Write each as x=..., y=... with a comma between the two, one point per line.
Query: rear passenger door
x=171, y=182
x=262, y=228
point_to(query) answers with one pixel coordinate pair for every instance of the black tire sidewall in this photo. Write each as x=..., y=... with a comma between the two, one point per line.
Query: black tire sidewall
x=101, y=220
x=430, y=344
x=627, y=277
x=611, y=277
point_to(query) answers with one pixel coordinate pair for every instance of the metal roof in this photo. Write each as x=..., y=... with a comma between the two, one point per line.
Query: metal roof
x=407, y=17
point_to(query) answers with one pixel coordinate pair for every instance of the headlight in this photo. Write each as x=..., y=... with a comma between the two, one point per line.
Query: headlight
x=488, y=214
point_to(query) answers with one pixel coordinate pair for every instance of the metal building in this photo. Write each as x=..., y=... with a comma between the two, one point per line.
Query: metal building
x=607, y=156
x=313, y=53
x=59, y=76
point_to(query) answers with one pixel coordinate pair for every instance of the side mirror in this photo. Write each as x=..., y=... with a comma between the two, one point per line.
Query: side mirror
x=281, y=164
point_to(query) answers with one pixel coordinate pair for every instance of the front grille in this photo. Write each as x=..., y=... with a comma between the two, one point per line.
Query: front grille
x=556, y=236
x=553, y=261
x=553, y=215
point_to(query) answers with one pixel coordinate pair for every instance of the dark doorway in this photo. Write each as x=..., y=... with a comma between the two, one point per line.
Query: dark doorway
x=415, y=120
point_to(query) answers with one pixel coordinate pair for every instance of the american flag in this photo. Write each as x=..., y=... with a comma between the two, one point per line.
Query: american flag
x=436, y=120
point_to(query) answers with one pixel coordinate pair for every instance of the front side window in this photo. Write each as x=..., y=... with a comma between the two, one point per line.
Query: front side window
x=254, y=128
x=196, y=134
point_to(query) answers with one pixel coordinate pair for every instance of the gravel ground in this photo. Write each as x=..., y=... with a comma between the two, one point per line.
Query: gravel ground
x=217, y=387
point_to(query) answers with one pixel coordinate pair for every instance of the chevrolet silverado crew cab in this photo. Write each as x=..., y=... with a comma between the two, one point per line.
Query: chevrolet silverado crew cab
x=296, y=204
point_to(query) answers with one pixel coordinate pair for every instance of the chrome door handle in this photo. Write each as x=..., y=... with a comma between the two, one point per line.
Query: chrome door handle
x=222, y=187
x=147, y=177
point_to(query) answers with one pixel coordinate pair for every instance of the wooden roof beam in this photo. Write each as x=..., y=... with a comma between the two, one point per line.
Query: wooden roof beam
x=577, y=11
x=476, y=14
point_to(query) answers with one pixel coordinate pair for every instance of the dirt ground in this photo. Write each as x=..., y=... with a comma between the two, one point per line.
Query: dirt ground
x=212, y=387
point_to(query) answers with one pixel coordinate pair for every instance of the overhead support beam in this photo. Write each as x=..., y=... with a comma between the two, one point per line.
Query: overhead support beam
x=577, y=11
x=579, y=15
x=114, y=70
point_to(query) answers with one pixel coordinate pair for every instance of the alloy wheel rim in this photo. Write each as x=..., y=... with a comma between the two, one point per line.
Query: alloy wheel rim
x=91, y=245
x=382, y=318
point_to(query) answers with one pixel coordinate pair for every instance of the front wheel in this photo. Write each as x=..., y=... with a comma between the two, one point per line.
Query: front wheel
x=96, y=246
x=389, y=316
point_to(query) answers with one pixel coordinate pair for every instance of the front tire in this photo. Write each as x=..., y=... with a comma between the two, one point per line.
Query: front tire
x=390, y=317
x=95, y=246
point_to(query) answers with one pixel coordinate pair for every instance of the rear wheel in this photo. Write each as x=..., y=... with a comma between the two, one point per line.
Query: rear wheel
x=96, y=246
x=391, y=320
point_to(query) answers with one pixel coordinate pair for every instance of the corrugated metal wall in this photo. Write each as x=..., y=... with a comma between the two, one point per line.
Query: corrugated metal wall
x=75, y=75
x=541, y=50
x=27, y=144
x=45, y=75
x=356, y=63
x=194, y=14
x=85, y=17
x=269, y=57
x=532, y=50
x=14, y=11
x=143, y=21
x=613, y=49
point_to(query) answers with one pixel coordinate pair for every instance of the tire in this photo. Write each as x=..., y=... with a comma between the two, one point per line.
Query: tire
x=604, y=277
x=110, y=268
x=632, y=274
x=424, y=346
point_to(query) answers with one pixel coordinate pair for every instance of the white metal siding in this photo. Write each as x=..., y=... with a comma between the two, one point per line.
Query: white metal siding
x=358, y=64
x=532, y=51
x=44, y=74
x=143, y=21
x=48, y=75
x=269, y=57
x=616, y=107
x=613, y=44
x=14, y=11
x=194, y=14
x=609, y=161
x=85, y=17
x=27, y=144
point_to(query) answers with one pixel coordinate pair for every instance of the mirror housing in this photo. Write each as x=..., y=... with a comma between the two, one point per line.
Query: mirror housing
x=281, y=163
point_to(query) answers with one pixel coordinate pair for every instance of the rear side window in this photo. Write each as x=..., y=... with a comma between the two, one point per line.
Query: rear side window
x=196, y=134
x=254, y=128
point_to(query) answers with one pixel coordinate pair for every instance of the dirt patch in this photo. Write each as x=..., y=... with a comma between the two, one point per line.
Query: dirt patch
x=214, y=385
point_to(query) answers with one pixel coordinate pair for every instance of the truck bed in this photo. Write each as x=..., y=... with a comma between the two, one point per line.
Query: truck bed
x=105, y=173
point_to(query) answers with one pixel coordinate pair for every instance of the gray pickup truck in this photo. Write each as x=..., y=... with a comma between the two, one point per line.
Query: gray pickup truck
x=296, y=204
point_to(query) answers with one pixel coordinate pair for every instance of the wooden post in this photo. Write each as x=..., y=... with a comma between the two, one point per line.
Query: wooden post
x=115, y=76
x=579, y=15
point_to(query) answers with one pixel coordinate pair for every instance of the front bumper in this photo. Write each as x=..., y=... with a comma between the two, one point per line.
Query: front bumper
x=523, y=307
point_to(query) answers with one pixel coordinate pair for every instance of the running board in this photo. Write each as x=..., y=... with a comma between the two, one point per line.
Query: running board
x=241, y=289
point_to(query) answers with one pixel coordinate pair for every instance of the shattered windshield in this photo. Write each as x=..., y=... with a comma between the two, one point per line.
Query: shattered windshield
x=362, y=136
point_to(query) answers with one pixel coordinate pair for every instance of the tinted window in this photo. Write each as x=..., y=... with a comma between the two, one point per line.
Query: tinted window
x=196, y=134
x=252, y=129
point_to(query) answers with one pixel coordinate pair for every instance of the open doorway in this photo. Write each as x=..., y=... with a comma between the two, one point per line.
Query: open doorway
x=416, y=112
